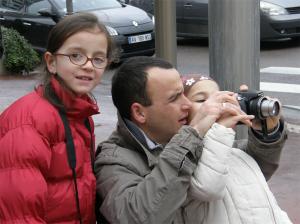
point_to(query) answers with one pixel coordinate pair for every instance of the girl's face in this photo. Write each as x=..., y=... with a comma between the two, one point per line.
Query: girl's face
x=199, y=92
x=80, y=79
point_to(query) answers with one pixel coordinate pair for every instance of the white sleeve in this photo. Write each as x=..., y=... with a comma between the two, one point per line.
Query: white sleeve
x=209, y=179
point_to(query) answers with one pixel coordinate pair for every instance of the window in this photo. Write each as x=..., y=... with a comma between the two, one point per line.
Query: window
x=85, y=5
x=34, y=6
x=16, y=5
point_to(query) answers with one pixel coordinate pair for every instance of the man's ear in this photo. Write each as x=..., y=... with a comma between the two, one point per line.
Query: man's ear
x=137, y=113
x=50, y=62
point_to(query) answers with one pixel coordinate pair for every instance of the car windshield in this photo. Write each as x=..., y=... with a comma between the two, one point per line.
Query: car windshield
x=85, y=5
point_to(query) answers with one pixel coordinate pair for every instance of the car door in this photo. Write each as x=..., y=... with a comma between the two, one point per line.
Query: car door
x=195, y=13
x=38, y=20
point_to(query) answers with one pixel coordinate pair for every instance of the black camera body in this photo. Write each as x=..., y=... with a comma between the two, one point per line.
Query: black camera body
x=254, y=102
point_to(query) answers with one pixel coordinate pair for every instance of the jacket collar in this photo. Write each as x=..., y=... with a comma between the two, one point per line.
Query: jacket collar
x=135, y=138
x=76, y=107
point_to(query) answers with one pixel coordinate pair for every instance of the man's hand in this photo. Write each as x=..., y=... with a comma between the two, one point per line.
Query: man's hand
x=272, y=122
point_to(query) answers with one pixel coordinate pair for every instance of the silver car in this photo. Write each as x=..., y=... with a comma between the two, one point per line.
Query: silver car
x=279, y=18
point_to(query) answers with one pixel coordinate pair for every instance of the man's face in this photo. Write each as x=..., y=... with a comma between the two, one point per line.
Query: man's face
x=169, y=109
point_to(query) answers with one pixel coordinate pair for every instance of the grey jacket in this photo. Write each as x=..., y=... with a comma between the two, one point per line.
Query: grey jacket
x=137, y=185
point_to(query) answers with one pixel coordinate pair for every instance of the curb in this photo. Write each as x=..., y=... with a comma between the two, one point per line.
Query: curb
x=291, y=107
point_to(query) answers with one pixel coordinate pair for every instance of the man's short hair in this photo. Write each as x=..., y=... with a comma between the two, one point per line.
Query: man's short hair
x=129, y=82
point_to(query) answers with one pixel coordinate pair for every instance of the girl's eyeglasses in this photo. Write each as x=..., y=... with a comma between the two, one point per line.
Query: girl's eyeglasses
x=81, y=59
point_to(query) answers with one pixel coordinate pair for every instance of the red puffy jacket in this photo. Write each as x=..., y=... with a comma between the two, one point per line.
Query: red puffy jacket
x=36, y=184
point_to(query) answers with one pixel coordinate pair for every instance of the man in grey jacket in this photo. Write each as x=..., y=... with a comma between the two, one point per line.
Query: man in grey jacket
x=143, y=170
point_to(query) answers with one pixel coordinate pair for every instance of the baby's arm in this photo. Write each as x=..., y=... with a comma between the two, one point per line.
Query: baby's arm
x=209, y=179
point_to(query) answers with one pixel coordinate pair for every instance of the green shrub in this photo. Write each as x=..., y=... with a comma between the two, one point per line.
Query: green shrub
x=18, y=55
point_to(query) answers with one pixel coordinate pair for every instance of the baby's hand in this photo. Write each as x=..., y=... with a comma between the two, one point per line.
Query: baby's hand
x=211, y=110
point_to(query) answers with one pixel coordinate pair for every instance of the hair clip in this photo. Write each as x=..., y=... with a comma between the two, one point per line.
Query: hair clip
x=189, y=82
x=202, y=77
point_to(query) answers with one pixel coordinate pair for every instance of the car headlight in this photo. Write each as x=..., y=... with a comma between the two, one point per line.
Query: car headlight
x=111, y=31
x=272, y=9
x=152, y=18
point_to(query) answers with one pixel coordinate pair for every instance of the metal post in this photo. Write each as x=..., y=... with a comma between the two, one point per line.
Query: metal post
x=165, y=30
x=2, y=69
x=1, y=47
x=69, y=5
x=234, y=44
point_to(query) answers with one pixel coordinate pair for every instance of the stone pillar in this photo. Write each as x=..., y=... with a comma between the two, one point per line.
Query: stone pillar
x=234, y=44
x=165, y=30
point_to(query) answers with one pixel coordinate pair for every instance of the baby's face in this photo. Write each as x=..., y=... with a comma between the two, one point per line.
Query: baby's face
x=199, y=93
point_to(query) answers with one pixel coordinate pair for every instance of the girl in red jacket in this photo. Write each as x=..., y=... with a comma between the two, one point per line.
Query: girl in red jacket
x=43, y=179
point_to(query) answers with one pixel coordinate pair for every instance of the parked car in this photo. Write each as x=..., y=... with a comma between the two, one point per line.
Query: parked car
x=278, y=18
x=131, y=28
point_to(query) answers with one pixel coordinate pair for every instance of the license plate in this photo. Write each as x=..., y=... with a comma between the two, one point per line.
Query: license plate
x=139, y=38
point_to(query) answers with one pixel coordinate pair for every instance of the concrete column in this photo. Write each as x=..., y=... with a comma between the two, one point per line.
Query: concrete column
x=234, y=43
x=69, y=6
x=165, y=30
x=1, y=47
x=2, y=69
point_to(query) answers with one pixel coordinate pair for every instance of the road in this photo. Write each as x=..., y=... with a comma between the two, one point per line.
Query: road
x=280, y=77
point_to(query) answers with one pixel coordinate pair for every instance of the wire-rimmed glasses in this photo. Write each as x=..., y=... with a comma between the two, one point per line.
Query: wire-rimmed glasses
x=81, y=59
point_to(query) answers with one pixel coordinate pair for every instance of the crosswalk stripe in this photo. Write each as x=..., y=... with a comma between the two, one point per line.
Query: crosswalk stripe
x=281, y=70
x=279, y=87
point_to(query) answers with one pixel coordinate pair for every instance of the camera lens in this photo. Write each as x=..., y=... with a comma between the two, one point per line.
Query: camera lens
x=269, y=108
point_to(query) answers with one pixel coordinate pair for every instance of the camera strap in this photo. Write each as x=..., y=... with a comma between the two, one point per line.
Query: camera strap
x=71, y=157
x=92, y=149
x=70, y=147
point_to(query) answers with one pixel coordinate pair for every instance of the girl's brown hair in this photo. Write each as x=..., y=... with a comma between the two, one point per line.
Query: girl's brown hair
x=65, y=28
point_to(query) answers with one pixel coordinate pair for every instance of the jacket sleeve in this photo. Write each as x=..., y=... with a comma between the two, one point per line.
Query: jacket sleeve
x=209, y=179
x=25, y=157
x=128, y=197
x=266, y=154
